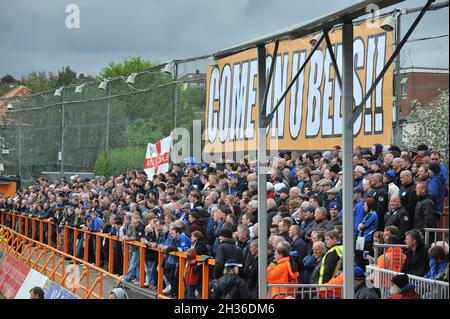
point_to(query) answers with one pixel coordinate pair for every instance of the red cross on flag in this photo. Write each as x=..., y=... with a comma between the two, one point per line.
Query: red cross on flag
x=157, y=157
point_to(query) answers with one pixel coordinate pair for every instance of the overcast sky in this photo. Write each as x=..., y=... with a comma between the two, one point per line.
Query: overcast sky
x=34, y=36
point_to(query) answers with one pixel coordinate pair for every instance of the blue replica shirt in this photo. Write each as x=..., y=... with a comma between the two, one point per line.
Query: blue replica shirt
x=358, y=215
x=183, y=243
x=370, y=221
x=95, y=224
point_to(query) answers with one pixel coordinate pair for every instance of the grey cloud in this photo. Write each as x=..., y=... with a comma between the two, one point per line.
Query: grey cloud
x=34, y=36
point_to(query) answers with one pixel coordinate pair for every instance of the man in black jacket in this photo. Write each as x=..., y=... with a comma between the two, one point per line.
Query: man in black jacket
x=416, y=262
x=397, y=216
x=298, y=245
x=251, y=269
x=227, y=250
x=407, y=191
x=380, y=194
x=424, y=213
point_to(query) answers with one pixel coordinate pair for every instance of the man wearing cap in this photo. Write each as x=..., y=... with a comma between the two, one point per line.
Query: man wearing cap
x=335, y=208
x=402, y=289
x=324, y=186
x=333, y=197
x=376, y=166
x=282, y=197
x=316, y=175
x=389, y=179
x=227, y=250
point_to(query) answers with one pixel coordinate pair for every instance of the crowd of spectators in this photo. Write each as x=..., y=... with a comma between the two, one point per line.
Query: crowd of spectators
x=212, y=210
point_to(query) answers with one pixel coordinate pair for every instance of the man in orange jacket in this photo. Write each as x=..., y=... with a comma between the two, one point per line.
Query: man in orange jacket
x=393, y=258
x=280, y=272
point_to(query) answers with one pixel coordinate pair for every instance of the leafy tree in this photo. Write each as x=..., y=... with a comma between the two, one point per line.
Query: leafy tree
x=8, y=79
x=66, y=76
x=45, y=81
x=40, y=81
x=432, y=125
x=125, y=68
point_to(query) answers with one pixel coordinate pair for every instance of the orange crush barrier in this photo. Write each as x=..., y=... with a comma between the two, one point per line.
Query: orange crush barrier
x=24, y=221
x=20, y=246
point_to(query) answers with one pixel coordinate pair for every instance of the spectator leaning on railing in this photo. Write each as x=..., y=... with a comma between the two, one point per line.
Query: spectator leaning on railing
x=304, y=192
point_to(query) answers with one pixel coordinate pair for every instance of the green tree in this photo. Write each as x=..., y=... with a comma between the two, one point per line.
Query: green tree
x=40, y=81
x=432, y=125
x=125, y=68
x=66, y=76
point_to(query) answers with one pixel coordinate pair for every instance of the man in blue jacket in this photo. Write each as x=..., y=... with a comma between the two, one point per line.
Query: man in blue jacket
x=436, y=186
x=435, y=158
x=176, y=241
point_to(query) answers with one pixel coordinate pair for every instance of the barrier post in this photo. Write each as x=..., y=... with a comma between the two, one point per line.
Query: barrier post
x=75, y=237
x=27, y=226
x=33, y=229
x=205, y=280
x=19, y=224
x=181, y=266
x=125, y=257
x=159, y=285
x=41, y=231
x=66, y=239
x=86, y=246
x=13, y=221
x=111, y=255
x=98, y=249
x=50, y=234
x=141, y=266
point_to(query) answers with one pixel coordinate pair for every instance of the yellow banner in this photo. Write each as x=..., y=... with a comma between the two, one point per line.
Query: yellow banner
x=310, y=117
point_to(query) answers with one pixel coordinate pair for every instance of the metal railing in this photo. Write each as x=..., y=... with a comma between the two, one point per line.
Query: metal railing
x=389, y=256
x=51, y=262
x=47, y=233
x=304, y=291
x=436, y=234
x=425, y=288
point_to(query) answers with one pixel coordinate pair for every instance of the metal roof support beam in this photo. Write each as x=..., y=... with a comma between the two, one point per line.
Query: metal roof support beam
x=262, y=177
x=266, y=89
x=358, y=110
x=333, y=59
x=272, y=113
x=347, y=161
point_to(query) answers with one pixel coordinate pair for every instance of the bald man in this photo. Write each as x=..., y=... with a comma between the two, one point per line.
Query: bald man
x=397, y=216
x=380, y=194
x=408, y=192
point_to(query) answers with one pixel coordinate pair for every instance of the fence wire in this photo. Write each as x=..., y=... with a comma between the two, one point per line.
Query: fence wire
x=67, y=133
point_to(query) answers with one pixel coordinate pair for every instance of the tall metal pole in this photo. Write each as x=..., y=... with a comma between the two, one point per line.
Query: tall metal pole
x=62, y=134
x=175, y=98
x=397, y=138
x=20, y=148
x=108, y=111
x=347, y=63
x=262, y=179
